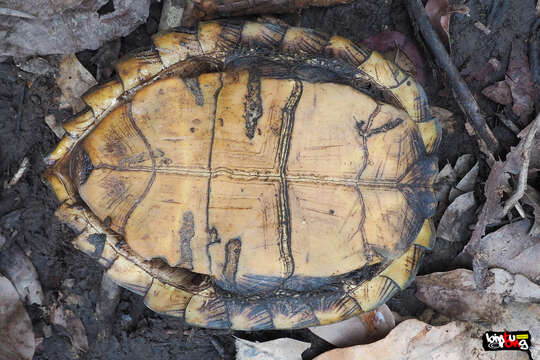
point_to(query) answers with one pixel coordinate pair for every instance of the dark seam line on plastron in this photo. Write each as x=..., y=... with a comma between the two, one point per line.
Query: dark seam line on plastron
x=287, y=123
x=152, y=177
x=209, y=190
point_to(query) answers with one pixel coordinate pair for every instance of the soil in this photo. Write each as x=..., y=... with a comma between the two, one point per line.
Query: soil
x=72, y=278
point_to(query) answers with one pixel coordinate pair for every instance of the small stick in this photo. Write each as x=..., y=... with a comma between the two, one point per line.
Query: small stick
x=522, y=179
x=463, y=95
x=19, y=174
x=508, y=123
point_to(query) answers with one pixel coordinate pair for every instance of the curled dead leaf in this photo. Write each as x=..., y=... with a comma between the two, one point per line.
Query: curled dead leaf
x=454, y=224
x=279, y=349
x=439, y=13
x=363, y=329
x=499, y=92
x=414, y=339
x=73, y=80
x=16, y=335
x=519, y=79
x=65, y=27
x=74, y=326
x=22, y=273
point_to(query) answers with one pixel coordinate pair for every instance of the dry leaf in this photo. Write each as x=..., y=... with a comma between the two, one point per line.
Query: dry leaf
x=439, y=12
x=513, y=249
x=446, y=118
x=171, y=14
x=56, y=128
x=519, y=79
x=499, y=92
x=279, y=349
x=466, y=184
x=16, y=334
x=65, y=27
x=531, y=198
x=74, y=80
x=508, y=302
x=454, y=224
x=20, y=270
x=74, y=326
x=363, y=329
x=413, y=339
x=212, y=9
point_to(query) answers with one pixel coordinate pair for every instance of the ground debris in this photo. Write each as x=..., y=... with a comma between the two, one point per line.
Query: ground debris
x=75, y=329
x=362, y=329
x=507, y=302
x=414, y=339
x=519, y=79
x=20, y=270
x=16, y=335
x=439, y=13
x=497, y=184
x=74, y=80
x=499, y=92
x=279, y=349
x=63, y=27
x=25, y=164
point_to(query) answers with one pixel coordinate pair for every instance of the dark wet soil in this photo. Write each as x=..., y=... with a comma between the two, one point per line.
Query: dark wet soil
x=73, y=279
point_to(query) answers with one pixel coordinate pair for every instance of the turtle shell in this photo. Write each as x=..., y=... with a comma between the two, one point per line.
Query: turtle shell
x=237, y=176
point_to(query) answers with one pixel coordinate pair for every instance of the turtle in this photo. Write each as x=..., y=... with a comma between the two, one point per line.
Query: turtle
x=239, y=175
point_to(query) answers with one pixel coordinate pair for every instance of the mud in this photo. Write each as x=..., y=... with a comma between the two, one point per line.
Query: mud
x=73, y=279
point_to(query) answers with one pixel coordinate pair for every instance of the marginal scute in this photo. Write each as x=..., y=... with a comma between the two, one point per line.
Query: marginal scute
x=262, y=36
x=217, y=37
x=375, y=292
x=431, y=133
x=78, y=125
x=136, y=69
x=175, y=47
x=102, y=97
x=165, y=299
x=346, y=50
x=303, y=41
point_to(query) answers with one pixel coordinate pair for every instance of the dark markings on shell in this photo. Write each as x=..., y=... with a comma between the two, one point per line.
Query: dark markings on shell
x=98, y=241
x=287, y=122
x=252, y=103
x=296, y=311
x=233, y=248
x=80, y=166
x=152, y=177
x=269, y=37
x=194, y=87
x=212, y=232
x=187, y=232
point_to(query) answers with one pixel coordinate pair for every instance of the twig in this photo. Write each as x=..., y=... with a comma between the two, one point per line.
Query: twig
x=19, y=174
x=463, y=95
x=109, y=296
x=508, y=123
x=522, y=179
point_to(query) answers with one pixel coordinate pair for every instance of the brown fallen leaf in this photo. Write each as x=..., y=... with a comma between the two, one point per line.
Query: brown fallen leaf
x=73, y=80
x=478, y=76
x=454, y=224
x=532, y=198
x=16, y=335
x=446, y=118
x=279, y=349
x=363, y=329
x=439, y=13
x=413, y=339
x=496, y=186
x=466, y=184
x=65, y=27
x=519, y=79
x=74, y=326
x=22, y=273
x=499, y=92
x=508, y=302
x=513, y=249
x=56, y=128
x=212, y=9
